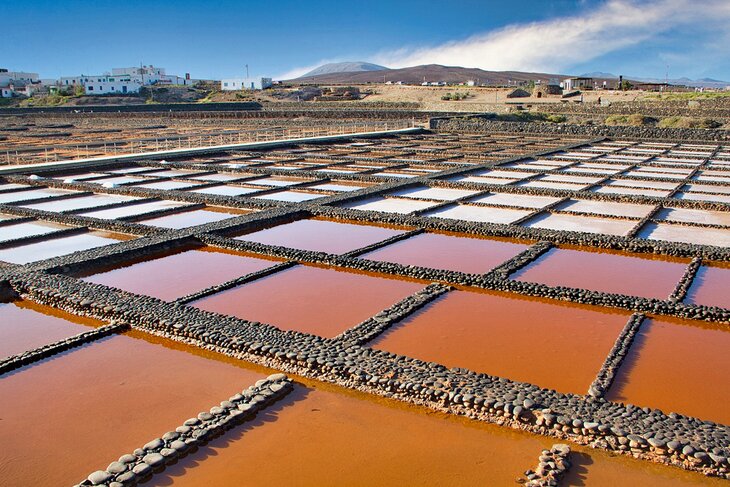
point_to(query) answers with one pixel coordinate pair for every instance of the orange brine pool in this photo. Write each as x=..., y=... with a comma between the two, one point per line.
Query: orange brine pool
x=711, y=286
x=72, y=414
x=546, y=343
x=611, y=272
x=677, y=366
x=326, y=436
x=314, y=300
x=598, y=468
x=175, y=275
x=321, y=235
x=25, y=326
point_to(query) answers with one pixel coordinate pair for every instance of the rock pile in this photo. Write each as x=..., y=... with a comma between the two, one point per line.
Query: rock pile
x=553, y=464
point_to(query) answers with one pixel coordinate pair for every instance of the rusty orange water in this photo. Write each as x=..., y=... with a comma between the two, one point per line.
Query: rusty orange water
x=322, y=235
x=174, y=275
x=314, y=300
x=677, y=366
x=612, y=272
x=25, y=326
x=597, y=468
x=543, y=342
x=325, y=436
x=72, y=414
x=455, y=253
x=711, y=286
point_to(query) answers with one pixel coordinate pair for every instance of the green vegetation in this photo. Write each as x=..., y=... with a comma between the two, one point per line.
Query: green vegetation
x=688, y=123
x=456, y=96
x=635, y=120
x=53, y=100
x=694, y=95
x=556, y=118
x=626, y=86
x=638, y=120
x=208, y=98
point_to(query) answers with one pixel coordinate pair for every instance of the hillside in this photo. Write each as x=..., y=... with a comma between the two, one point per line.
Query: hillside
x=429, y=72
x=347, y=67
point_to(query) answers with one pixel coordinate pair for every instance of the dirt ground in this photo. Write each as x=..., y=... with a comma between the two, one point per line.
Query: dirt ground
x=430, y=96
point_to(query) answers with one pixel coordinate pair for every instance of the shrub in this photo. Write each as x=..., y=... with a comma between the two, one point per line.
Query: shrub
x=556, y=118
x=689, y=123
x=635, y=120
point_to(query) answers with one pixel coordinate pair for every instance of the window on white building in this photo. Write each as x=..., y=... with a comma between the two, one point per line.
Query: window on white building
x=91, y=88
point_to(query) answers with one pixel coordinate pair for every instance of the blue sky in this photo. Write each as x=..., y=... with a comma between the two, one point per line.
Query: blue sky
x=215, y=39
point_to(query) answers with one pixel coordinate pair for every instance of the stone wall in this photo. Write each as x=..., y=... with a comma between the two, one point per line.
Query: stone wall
x=476, y=125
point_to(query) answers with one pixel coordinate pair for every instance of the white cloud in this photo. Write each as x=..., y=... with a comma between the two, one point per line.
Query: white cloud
x=297, y=72
x=559, y=43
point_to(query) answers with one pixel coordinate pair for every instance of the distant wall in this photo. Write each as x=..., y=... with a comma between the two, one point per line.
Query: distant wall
x=477, y=125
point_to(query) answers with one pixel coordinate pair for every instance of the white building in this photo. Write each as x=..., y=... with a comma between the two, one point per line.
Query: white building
x=152, y=75
x=125, y=80
x=235, y=84
x=150, y=70
x=18, y=76
x=18, y=82
x=106, y=85
x=74, y=80
x=571, y=84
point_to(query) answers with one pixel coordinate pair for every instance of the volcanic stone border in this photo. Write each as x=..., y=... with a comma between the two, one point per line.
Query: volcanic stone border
x=155, y=455
x=584, y=194
x=582, y=239
x=383, y=243
x=476, y=125
x=687, y=442
x=26, y=358
x=680, y=292
x=376, y=325
x=235, y=282
x=618, y=352
x=641, y=432
x=29, y=239
x=430, y=180
x=552, y=466
x=576, y=238
x=524, y=258
x=493, y=280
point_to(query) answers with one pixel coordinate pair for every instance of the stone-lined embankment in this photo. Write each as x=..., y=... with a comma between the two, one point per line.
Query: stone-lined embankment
x=155, y=455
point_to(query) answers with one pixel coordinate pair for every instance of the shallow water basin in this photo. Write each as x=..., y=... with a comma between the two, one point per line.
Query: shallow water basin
x=321, y=235
x=314, y=300
x=520, y=339
x=449, y=252
x=173, y=275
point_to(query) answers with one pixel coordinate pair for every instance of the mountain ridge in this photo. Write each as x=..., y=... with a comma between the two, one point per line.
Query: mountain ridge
x=344, y=67
x=426, y=72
